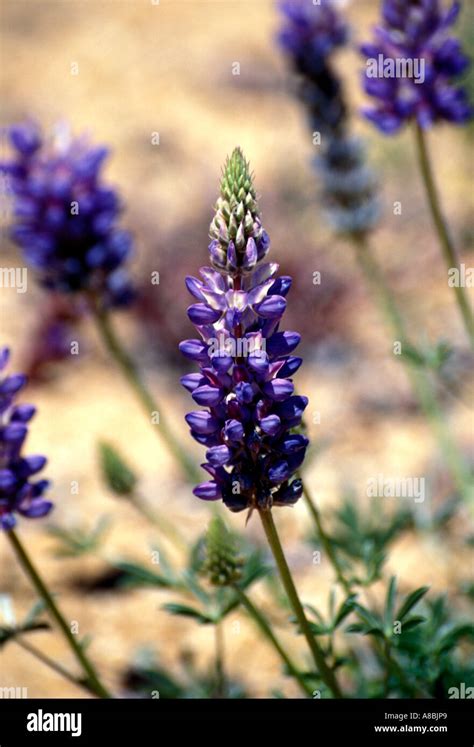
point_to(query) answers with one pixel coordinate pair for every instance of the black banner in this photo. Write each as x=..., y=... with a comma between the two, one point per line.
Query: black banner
x=137, y=721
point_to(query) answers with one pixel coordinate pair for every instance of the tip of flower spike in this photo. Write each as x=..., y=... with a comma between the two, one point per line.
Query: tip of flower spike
x=238, y=239
x=222, y=564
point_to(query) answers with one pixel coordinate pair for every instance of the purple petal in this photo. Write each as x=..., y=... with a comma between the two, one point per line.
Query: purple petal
x=208, y=491
x=202, y=422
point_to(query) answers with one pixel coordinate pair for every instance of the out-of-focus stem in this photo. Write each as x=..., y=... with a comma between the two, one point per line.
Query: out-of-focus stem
x=325, y=540
x=326, y=674
x=47, y=661
x=159, y=521
x=420, y=382
x=92, y=681
x=130, y=371
x=266, y=629
x=219, y=660
x=441, y=227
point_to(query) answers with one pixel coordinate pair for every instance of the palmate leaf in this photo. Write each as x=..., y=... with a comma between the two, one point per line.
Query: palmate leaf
x=78, y=541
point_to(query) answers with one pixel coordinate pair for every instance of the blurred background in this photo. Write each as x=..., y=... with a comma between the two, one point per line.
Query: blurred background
x=124, y=71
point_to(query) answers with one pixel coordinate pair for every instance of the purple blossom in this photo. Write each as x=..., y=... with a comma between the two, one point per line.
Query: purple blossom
x=414, y=34
x=18, y=493
x=310, y=35
x=245, y=360
x=65, y=218
x=311, y=31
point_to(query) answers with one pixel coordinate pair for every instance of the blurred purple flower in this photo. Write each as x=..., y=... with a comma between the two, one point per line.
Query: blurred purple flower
x=310, y=35
x=18, y=493
x=246, y=362
x=414, y=34
x=65, y=219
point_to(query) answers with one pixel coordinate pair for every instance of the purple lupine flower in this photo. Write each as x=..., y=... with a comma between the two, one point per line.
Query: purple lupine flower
x=18, y=492
x=310, y=35
x=65, y=218
x=415, y=34
x=246, y=361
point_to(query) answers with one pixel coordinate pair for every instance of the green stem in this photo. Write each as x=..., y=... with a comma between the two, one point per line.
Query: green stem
x=167, y=527
x=128, y=368
x=325, y=540
x=54, y=665
x=447, y=246
x=219, y=660
x=326, y=674
x=264, y=626
x=420, y=382
x=92, y=681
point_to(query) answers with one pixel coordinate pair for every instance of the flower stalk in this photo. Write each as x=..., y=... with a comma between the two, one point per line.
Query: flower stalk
x=127, y=365
x=327, y=675
x=420, y=381
x=92, y=681
x=442, y=230
x=267, y=631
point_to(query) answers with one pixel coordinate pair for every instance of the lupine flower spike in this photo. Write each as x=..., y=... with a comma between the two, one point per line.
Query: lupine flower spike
x=65, y=217
x=20, y=493
x=24, y=496
x=245, y=382
x=417, y=32
x=66, y=222
x=412, y=71
x=246, y=361
x=309, y=36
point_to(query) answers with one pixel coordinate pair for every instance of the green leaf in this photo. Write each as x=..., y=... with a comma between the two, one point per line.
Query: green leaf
x=116, y=473
x=451, y=639
x=138, y=575
x=390, y=601
x=185, y=611
x=411, y=600
x=412, y=622
x=78, y=541
x=413, y=355
x=355, y=628
x=345, y=609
